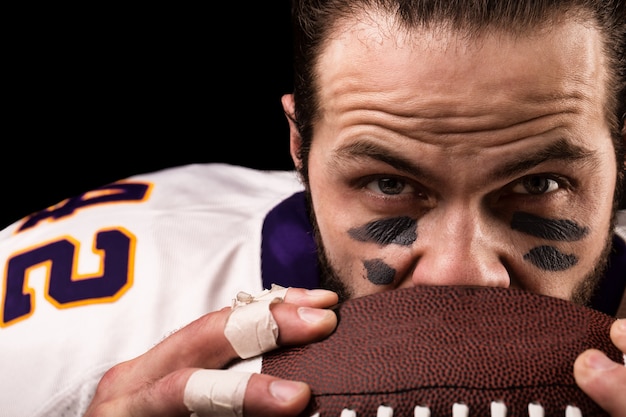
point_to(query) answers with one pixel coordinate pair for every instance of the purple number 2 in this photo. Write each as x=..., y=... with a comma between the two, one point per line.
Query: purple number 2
x=64, y=286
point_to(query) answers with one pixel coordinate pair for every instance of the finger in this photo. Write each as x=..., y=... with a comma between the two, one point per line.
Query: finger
x=311, y=298
x=311, y=321
x=268, y=396
x=202, y=343
x=602, y=379
x=253, y=329
x=299, y=325
x=618, y=334
x=159, y=398
x=216, y=347
x=221, y=393
x=214, y=393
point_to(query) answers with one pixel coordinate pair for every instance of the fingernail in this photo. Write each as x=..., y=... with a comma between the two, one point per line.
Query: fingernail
x=318, y=293
x=312, y=315
x=285, y=390
x=600, y=362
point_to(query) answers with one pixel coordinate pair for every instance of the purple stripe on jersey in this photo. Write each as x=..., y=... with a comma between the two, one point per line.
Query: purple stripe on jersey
x=612, y=286
x=288, y=250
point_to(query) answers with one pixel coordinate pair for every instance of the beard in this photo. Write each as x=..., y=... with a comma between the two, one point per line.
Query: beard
x=585, y=290
x=581, y=295
x=329, y=278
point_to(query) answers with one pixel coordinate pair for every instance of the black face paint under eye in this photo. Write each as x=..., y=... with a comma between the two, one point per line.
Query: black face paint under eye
x=378, y=272
x=550, y=258
x=396, y=230
x=550, y=229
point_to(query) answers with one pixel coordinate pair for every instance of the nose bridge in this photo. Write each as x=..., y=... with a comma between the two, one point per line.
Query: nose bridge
x=460, y=249
x=460, y=240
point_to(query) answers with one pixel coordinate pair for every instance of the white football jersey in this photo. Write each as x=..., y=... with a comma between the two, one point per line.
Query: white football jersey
x=101, y=278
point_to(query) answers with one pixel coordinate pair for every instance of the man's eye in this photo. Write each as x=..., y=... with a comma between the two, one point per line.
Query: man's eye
x=390, y=186
x=535, y=184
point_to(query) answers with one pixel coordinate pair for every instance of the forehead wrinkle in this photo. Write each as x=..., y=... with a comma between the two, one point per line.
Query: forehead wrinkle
x=438, y=109
x=452, y=121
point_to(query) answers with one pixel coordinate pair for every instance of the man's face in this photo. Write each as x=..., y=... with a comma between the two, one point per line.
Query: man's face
x=441, y=160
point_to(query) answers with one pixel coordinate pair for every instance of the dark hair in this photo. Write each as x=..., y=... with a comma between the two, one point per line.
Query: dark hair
x=314, y=21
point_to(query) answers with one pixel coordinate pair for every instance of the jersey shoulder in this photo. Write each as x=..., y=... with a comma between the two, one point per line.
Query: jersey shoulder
x=211, y=189
x=84, y=274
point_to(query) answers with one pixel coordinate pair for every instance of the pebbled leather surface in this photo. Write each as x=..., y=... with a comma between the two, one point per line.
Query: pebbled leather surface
x=436, y=346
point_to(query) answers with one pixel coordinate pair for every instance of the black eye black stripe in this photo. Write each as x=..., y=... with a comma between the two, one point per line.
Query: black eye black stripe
x=396, y=230
x=549, y=229
x=378, y=272
x=550, y=258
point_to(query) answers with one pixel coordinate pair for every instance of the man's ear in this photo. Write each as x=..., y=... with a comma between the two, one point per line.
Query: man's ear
x=622, y=204
x=295, y=140
x=624, y=131
x=624, y=128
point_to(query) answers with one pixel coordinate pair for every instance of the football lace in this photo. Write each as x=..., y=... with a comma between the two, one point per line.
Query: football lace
x=498, y=409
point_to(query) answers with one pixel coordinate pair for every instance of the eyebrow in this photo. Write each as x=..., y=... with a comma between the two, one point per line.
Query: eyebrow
x=561, y=150
x=366, y=149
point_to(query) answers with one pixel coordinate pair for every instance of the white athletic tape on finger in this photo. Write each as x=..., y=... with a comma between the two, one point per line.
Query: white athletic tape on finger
x=216, y=393
x=251, y=328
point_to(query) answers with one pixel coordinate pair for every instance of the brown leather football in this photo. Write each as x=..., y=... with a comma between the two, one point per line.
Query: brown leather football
x=444, y=348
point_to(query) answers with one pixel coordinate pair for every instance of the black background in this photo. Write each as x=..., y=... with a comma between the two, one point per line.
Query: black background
x=96, y=95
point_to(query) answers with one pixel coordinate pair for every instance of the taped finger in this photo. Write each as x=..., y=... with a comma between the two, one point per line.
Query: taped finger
x=251, y=328
x=216, y=393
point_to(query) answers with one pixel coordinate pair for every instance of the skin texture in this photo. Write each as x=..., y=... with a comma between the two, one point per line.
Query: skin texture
x=495, y=146
x=471, y=138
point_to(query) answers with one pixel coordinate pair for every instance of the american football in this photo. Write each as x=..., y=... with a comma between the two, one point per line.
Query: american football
x=449, y=351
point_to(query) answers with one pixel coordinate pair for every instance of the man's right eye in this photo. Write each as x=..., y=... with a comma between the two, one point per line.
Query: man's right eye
x=391, y=186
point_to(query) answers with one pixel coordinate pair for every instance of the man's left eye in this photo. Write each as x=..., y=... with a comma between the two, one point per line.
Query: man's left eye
x=390, y=186
x=535, y=184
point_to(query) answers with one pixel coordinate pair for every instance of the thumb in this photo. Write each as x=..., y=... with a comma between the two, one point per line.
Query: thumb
x=603, y=379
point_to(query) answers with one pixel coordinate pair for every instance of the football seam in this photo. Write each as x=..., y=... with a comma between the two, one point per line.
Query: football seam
x=463, y=387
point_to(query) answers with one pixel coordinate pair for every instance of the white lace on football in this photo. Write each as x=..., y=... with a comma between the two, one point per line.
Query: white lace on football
x=498, y=409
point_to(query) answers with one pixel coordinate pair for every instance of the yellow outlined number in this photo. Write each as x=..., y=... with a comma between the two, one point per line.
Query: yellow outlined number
x=64, y=286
